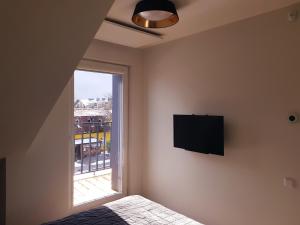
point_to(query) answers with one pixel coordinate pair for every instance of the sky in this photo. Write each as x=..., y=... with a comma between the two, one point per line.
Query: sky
x=91, y=84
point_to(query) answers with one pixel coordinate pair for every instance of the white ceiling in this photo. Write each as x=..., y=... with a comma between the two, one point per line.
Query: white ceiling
x=194, y=16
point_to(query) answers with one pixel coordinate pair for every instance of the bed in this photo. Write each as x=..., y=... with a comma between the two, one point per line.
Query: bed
x=132, y=210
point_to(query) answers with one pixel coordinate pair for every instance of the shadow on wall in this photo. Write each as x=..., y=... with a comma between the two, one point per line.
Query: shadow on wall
x=100, y=216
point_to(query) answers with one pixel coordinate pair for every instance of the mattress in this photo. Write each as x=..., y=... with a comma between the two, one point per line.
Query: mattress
x=132, y=210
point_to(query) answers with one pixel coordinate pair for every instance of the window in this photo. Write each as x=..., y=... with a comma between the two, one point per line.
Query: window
x=99, y=139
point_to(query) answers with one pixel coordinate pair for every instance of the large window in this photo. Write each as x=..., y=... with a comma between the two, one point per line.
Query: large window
x=98, y=134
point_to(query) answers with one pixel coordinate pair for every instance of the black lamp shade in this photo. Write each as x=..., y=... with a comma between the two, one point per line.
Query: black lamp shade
x=155, y=14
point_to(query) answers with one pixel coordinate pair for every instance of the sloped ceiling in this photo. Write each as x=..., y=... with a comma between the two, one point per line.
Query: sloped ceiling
x=195, y=16
x=41, y=44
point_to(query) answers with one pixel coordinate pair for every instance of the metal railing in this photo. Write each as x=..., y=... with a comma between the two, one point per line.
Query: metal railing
x=92, y=150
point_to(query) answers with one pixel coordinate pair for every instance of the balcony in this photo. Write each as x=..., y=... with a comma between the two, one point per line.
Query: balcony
x=91, y=186
x=92, y=166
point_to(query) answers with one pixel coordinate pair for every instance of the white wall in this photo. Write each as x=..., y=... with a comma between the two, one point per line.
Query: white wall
x=38, y=179
x=42, y=43
x=249, y=72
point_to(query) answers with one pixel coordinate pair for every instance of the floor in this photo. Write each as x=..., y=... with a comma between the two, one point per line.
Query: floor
x=92, y=186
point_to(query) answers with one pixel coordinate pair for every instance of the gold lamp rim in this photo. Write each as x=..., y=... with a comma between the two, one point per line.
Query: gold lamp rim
x=150, y=5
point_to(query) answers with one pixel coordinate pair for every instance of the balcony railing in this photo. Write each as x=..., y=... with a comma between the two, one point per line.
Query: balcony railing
x=92, y=147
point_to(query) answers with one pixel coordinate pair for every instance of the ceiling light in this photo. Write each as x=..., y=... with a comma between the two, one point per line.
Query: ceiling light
x=155, y=14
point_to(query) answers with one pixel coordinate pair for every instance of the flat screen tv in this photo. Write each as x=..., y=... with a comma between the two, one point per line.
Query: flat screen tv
x=204, y=134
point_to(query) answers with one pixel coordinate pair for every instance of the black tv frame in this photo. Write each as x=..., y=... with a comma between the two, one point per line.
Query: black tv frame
x=194, y=148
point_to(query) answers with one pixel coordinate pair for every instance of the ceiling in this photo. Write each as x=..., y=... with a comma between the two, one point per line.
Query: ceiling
x=194, y=16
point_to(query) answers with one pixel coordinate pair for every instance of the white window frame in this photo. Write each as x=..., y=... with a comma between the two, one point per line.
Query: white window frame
x=103, y=67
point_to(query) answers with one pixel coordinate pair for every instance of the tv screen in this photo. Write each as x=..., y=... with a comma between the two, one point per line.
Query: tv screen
x=198, y=133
